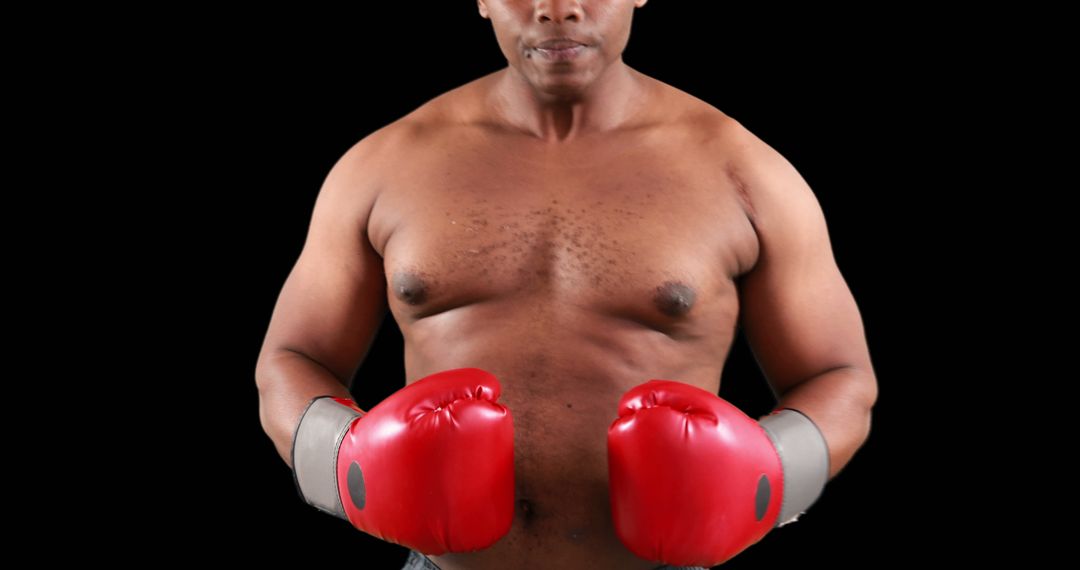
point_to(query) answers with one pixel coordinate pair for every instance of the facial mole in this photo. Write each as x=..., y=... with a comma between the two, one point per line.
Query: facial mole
x=674, y=298
x=409, y=287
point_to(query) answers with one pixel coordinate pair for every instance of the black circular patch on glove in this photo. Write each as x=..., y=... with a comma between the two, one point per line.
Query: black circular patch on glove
x=355, y=484
x=761, y=500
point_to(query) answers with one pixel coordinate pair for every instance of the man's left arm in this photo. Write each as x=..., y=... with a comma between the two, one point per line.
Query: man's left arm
x=796, y=310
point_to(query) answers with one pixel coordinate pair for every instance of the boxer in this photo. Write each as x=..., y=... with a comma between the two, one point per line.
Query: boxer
x=571, y=230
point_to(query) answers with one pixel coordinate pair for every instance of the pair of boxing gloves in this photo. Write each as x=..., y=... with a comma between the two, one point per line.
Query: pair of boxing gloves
x=693, y=480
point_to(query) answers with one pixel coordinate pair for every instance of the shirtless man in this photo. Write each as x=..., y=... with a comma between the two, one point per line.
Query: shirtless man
x=575, y=228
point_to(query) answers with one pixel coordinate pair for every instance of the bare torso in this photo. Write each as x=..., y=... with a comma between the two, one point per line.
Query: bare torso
x=572, y=273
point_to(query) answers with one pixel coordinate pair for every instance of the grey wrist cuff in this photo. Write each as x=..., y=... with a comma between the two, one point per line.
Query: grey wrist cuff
x=804, y=457
x=318, y=436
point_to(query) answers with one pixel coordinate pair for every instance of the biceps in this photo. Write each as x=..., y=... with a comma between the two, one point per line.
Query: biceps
x=798, y=313
x=800, y=318
x=334, y=299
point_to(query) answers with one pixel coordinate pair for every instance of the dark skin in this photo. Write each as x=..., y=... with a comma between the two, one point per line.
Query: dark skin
x=576, y=228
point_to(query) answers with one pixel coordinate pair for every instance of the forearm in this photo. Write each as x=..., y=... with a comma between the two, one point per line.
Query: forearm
x=287, y=381
x=839, y=402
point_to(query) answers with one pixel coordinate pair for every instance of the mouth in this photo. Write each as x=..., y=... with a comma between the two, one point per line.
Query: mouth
x=562, y=51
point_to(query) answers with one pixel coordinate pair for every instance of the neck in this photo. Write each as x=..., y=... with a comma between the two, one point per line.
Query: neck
x=561, y=117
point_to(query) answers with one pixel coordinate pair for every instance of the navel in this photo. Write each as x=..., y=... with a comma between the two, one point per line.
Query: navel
x=525, y=509
x=674, y=298
x=576, y=534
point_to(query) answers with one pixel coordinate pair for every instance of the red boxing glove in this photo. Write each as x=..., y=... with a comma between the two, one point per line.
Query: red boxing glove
x=694, y=481
x=430, y=468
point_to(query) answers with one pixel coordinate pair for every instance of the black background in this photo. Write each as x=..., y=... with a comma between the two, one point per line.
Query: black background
x=237, y=118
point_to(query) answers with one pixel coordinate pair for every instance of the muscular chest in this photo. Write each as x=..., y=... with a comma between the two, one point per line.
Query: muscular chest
x=652, y=239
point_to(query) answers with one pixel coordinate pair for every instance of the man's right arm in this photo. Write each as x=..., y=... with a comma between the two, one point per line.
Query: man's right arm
x=331, y=304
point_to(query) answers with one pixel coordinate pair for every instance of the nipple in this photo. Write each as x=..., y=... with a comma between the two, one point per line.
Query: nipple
x=409, y=287
x=674, y=298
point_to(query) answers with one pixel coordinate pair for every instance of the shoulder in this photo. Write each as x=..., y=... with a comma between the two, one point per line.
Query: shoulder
x=365, y=168
x=697, y=123
x=716, y=139
x=778, y=201
x=437, y=121
x=374, y=165
x=381, y=151
x=719, y=131
x=764, y=179
x=775, y=197
x=460, y=106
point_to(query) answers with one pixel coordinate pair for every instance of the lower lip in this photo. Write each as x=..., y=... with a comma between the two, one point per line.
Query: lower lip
x=565, y=54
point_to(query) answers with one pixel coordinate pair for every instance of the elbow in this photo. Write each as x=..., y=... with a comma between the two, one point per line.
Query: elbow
x=859, y=394
x=270, y=372
x=261, y=388
x=266, y=383
x=863, y=388
x=870, y=385
x=868, y=397
x=263, y=416
x=271, y=417
x=264, y=368
x=861, y=401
